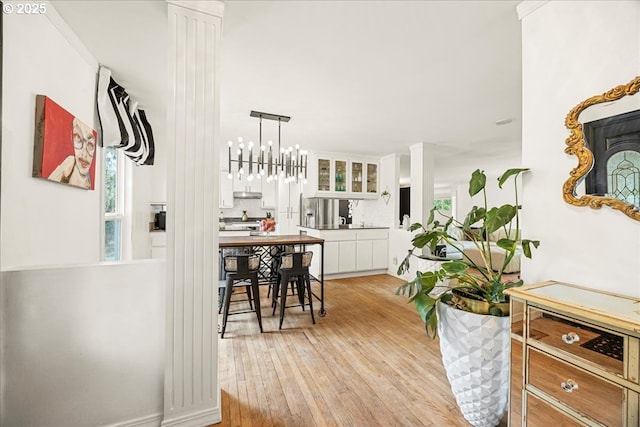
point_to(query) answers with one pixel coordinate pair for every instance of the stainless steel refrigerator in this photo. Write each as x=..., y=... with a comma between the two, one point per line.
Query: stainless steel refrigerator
x=317, y=212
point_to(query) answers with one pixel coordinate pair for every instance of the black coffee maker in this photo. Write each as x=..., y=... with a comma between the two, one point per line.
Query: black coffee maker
x=161, y=220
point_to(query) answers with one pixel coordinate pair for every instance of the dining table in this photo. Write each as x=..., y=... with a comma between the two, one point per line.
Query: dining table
x=269, y=245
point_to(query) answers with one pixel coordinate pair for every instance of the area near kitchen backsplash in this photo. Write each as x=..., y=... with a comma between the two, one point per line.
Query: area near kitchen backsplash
x=252, y=206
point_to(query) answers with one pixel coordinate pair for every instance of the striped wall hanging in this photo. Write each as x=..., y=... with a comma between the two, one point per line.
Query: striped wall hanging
x=123, y=125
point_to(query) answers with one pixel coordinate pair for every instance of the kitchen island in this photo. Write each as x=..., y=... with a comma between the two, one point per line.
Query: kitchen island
x=258, y=244
x=351, y=250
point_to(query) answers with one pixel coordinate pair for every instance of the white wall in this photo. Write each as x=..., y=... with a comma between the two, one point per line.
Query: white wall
x=83, y=345
x=571, y=51
x=60, y=67
x=43, y=222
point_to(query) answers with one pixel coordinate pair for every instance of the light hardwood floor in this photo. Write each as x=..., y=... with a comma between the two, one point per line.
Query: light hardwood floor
x=368, y=362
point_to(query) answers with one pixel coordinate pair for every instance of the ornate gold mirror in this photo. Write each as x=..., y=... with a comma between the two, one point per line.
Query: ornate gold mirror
x=605, y=136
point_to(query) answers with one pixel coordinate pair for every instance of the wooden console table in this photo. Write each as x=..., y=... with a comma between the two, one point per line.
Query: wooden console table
x=575, y=357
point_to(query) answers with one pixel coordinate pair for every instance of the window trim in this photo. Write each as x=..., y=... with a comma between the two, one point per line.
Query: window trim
x=123, y=211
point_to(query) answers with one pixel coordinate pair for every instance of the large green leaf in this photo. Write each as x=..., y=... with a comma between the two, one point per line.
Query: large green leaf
x=432, y=323
x=526, y=246
x=454, y=267
x=477, y=182
x=424, y=303
x=431, y=216
x=428, y=281
x=507, y=244
x=423, y=239
x=404, y=265
x=475, y=214
x=499, y=217
x=510, y=172
x=415, y=226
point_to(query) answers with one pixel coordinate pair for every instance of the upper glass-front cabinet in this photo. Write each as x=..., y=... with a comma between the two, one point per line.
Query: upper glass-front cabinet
x=372, y=178
x=341, y=176
x=356, y=177
x=324, y=175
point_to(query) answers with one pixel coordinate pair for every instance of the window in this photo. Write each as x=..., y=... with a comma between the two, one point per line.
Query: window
x=446, y=206
x=615, y=144
x=113, y=204
x=443, y=205
x=623, y=176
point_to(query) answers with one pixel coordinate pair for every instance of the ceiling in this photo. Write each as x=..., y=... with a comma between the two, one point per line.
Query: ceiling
x=363, y=77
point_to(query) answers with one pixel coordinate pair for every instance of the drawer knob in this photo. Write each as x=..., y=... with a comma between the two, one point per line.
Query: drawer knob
x=569, y=385
x=570, y=338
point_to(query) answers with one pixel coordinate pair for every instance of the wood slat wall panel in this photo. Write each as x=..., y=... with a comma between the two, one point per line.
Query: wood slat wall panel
x=367, y=363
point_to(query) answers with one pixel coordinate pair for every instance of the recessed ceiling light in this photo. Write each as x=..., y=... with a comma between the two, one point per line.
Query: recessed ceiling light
x=503, y=122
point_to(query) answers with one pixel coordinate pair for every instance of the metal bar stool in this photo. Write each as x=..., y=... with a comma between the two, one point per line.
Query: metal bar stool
x=294, y=266
x=239, y=269
x=275, y=268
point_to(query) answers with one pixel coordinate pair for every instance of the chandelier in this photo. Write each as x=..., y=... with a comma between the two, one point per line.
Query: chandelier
x=266, y=161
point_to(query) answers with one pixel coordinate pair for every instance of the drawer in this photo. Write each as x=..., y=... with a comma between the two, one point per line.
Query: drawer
x=372, y=234
x=579, y=339
x=540, y=413
x=591, y=395
x=338, y=235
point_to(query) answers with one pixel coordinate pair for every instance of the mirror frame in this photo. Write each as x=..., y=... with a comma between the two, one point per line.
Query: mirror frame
x=576, y=146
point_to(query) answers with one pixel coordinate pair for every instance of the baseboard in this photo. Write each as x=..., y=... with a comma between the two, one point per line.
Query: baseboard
x=354, y=274
x=147, y=421
x=195, y=419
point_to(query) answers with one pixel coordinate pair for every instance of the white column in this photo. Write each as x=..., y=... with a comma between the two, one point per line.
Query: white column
x=191, y=388
x=422, y=165
x=390, y=181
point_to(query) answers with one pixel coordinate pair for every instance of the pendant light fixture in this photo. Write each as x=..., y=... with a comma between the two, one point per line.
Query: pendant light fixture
x=270, y=163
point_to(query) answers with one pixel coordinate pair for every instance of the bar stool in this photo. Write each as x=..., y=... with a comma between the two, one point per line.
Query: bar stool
x=294, y=266
x=276, y=260
x=240, y=269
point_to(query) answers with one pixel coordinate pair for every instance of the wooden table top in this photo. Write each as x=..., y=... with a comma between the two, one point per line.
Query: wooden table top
x=272, y=240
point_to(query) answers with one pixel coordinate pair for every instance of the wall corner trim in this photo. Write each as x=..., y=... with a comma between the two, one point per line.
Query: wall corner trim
x=197, y=419
x=58, y=21
x=527, y=7
x=214, y=8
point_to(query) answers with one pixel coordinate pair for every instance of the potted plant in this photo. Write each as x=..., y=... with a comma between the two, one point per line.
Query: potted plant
x=385, y=196
x=464, y=302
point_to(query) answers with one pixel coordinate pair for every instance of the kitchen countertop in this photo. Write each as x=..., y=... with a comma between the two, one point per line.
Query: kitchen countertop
x=346, y=227
x=236, y=224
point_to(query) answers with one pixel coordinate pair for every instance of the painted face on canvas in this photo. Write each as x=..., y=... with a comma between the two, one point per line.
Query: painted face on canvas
x=84, y=144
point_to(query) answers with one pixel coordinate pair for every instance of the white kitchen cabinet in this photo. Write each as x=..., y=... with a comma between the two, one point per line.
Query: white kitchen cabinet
x=269, y=195
x=356, y=175
x=331, y=258
x=289, y=196
x=350, y=251
x=255, y=185
x=226, y=190
x=372, y=249
x=372, y=179
x=347, y=261
x=341, y=176
x=364, y=251
x=288, y=216
x=379, y=254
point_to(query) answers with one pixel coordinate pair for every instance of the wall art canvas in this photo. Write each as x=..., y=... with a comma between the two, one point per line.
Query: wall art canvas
x=64, y=147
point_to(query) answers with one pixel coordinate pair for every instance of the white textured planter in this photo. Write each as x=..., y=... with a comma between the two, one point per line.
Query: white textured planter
x=475, y=353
